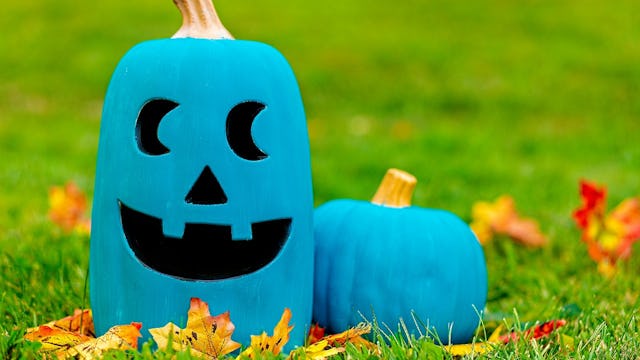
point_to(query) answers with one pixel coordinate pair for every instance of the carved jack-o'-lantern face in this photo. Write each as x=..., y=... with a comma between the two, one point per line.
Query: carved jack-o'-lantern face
x=203, y=188
x=188, y=255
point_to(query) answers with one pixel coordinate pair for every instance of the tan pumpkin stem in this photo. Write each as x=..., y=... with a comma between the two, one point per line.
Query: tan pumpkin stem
x=396, y=189
x=200, y=20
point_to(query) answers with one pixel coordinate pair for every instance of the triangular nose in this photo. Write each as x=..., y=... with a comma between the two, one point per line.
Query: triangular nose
x=206, y=190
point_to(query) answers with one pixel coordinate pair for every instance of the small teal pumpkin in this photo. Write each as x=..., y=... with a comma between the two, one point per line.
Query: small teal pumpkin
x=387, y=261
x=203, y=184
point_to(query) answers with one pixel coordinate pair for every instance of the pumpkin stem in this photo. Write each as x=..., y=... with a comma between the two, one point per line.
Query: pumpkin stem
x=396, y=189
x=200, y=20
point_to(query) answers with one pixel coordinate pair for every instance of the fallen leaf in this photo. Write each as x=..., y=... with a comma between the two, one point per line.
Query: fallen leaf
x=502, y=218
x=609, y=237
x=545, y=329
x=481, y=229
x=593, y=204
x=315, y=334
x=624, y=220
x=263, y=343
x=120, y=337
x=55, y=341
x=80, y=322
x=68, y=207
x=353, y=336
x=319, y=350
x=476, y=348
x=331, y=345
x=469, y=349
x=205, y=335
x=536, y=332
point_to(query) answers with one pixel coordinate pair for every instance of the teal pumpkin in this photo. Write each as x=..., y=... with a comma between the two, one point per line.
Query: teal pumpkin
x=203, y=184
x=388, y=261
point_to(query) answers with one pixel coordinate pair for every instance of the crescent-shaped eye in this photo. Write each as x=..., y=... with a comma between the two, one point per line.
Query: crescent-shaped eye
x=149, y=118
x=239, y=122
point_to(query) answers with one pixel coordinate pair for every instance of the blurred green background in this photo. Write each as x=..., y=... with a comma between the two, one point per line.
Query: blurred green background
x=475, y=98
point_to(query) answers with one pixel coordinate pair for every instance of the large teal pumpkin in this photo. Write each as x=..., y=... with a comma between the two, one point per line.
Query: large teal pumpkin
x=388, y=261
x=203, y=184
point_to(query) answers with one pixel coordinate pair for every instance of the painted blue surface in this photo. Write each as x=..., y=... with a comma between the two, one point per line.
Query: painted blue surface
x=206, y=78
x=390, y=264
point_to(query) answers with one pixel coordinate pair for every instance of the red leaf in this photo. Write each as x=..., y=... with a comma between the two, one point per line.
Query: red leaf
x=68, y=207
x=594, y=200
x=315, y=334
x=535, y=332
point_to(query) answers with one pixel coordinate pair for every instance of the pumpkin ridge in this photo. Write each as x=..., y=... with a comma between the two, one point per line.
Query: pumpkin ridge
x=353, y=275
x=320, y=219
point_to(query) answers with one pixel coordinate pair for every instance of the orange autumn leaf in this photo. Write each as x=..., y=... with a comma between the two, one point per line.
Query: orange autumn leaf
x=624, y=220
x=205, y=335
x=263, y=343
x=68, y=207
x=609, y=237
x=62, y=339
x=80, y=322
x=331, y=345
x=353, y=336
x=58, y=336
x=120, y=337
x=502, y=218
x=55, y=341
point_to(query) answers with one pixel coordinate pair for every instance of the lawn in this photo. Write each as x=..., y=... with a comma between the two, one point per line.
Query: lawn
x=476, y=99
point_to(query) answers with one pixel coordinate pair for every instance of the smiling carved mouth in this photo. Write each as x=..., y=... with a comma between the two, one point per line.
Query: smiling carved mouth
x=205, y=251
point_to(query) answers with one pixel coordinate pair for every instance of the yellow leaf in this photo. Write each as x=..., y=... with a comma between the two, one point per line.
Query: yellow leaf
x=482, y=230
x=205, y=335
x=495, y=335
x=468, y=349
x=317, y=351
x=335, y=344
x=274, y=344
x=167, y=335
x=67, y=208
x=476, y=348
x=501, y=217
x=120, y=337
x=55, y=341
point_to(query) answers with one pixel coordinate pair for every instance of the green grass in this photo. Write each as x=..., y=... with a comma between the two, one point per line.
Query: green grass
x=476, y=99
